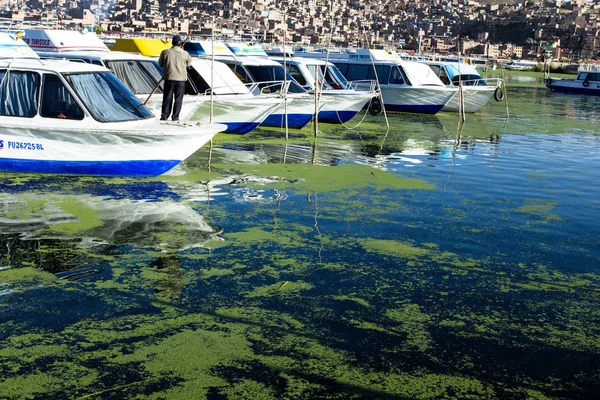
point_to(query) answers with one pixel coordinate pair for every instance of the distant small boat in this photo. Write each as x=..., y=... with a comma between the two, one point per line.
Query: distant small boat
x=520, y=65
x=587, y=81
x=60, y=117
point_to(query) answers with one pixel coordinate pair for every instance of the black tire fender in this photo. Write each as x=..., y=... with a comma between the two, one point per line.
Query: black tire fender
x=375, y=107
x=586, y=83
x=548, y=81
x=499, y=93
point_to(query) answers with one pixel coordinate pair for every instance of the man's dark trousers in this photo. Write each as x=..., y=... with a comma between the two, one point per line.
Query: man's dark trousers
x=174, y=90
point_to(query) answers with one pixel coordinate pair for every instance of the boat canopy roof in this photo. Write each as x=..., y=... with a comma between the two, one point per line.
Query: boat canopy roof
x=224, y=81
x=202, y=48
x=246, y=49
x=251, y=61
x=358, y=56
x=146, y=46
x=300, y=60
x=56, y=66
x=62, y=40
x=90, y=56
x=420, y=74
x=11, y=48
x=455, y=69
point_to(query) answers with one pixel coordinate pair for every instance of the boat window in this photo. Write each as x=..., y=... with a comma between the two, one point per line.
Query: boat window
x=335, y=78
x=343, y=68
x=312, y=69
x=57, y=101
x=396, y=77
x=18, y=93
x=441, y=73
x=139, y=76
x=296, y=74
x=239, y=71
x=197, y=84
x=437, y=69
x=383, y=74
x=273, y=73
x=592, y=76
x=358, y=72
x=106, y=97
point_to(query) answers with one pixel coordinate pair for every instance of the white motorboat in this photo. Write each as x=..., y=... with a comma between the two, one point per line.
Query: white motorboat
x=324, y=77
x=406, y=86
x=520, y=65
x=75, y=118
x=272, y=80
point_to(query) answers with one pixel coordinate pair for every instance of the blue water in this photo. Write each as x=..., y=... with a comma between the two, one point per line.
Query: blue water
x=455, y=263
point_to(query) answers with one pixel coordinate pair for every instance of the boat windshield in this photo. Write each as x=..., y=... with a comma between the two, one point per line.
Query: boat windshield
x=140, y=76
x=272, y=73
x=106, y=97
x=312, y=68
x=335, y=78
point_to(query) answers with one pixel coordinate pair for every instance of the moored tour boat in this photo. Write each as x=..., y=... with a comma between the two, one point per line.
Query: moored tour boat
x=323, y=77
x=272, y=80
x=406, y=86
x=587, y=81
x=74, y=118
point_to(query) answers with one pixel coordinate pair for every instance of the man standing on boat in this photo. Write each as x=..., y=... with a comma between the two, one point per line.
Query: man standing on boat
x=174, y=62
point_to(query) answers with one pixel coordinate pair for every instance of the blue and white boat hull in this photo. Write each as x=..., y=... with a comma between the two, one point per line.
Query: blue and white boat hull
x=475, y=97
x=240, y=113
x=420, y=99
x=344, y=106
x=146, y=150
x=300, y=110
x=573, y=86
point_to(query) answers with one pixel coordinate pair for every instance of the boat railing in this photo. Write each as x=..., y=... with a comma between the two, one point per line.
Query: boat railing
x=372, y=84
x=253, y=87
x=269, y=87
x=493, y=82
x=227, y=90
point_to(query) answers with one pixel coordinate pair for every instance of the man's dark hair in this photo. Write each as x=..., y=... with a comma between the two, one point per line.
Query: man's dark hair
x=177, y=40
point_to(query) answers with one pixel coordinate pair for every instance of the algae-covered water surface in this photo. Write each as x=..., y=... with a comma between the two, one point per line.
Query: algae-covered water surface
x=420, y=262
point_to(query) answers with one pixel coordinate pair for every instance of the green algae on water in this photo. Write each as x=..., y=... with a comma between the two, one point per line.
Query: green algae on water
x=321, y=179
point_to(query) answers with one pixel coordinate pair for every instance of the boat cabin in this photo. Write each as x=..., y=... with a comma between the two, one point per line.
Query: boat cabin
x=390, y=69
x=269, y=75
x=55, y=89
x=304, y=71
x=589, y=76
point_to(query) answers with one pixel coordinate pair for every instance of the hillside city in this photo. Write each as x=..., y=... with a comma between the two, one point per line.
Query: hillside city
x=561, y=30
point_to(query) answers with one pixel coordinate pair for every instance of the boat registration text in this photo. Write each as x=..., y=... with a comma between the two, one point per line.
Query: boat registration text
x=21, y=145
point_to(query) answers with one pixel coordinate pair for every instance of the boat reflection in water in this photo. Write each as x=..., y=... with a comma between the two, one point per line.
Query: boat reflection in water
x=76, y=231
